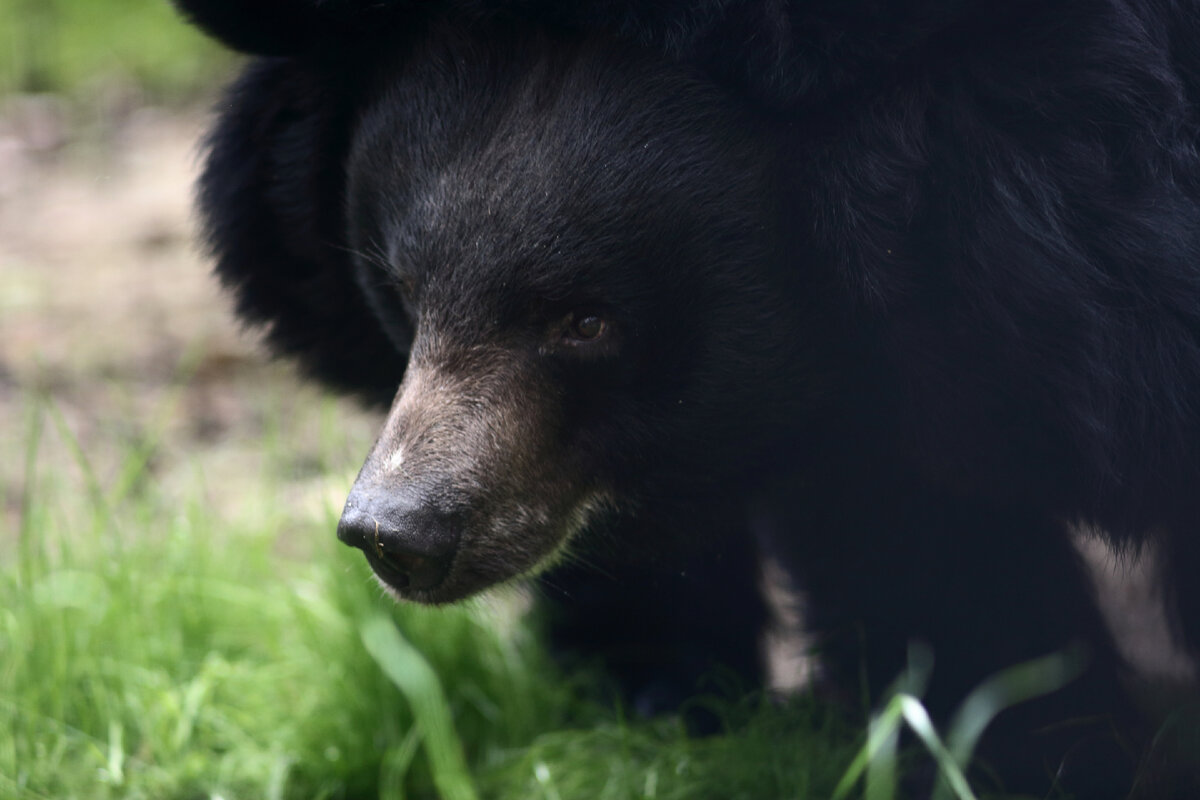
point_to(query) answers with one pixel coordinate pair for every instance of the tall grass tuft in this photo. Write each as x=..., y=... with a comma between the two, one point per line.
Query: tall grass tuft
x=151, y=647
x=147, y=650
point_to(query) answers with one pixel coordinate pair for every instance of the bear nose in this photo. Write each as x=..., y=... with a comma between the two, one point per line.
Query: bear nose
x=407, y=542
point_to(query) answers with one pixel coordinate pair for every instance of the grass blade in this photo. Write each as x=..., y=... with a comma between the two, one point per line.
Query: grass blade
x=411, y=673
x=918, y=719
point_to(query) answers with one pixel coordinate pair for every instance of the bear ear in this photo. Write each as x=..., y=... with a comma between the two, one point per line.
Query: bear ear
x=271, y=200
x=283, y=27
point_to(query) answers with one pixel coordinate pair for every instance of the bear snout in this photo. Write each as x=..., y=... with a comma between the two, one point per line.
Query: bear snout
x=409, y=543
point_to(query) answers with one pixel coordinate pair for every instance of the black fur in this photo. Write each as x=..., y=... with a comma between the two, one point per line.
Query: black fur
x=945, y=302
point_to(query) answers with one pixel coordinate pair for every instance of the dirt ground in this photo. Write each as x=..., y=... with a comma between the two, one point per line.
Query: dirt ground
x=101, y=274
x=108, y=312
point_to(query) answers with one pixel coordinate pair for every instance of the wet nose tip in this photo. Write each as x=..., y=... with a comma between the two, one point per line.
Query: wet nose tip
x=406, y=544
x=355, y=528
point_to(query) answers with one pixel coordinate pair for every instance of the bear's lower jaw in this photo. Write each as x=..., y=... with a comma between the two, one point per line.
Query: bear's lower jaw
x=449, y=590
x=403, y=592
x=460, y=583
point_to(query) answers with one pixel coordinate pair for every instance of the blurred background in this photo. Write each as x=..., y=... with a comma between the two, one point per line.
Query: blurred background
x=106, y=306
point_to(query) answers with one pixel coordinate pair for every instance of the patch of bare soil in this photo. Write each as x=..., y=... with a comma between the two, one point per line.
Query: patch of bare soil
x=108, y=311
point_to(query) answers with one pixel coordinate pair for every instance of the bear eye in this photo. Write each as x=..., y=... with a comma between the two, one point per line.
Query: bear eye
x=586, y=327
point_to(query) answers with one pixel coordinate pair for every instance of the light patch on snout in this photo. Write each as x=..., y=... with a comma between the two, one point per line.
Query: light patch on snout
x=395, y=462
x=420, y=432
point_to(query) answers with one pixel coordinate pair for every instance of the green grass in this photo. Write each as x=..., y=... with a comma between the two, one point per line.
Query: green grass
x=79, y=46
x=178, y=623
x=151, y=647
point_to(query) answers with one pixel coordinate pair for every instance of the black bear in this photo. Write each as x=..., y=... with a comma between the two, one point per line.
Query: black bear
x=890, y=293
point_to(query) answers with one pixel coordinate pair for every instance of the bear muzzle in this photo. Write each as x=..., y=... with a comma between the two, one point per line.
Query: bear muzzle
x=467, y=486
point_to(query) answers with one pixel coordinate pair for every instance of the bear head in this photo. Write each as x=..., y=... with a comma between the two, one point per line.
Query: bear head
x=558, y=259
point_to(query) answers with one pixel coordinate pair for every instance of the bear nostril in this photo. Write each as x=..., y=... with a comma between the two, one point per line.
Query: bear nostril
x=356, y=528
